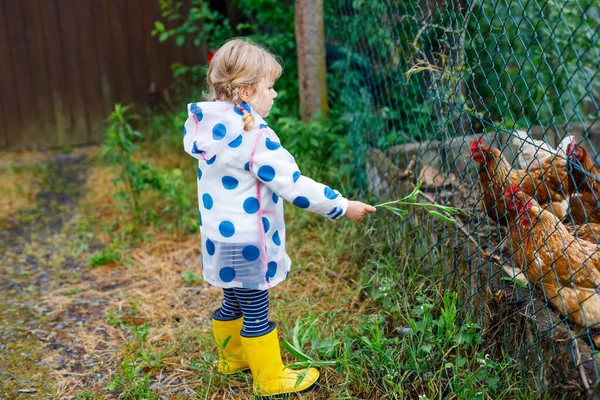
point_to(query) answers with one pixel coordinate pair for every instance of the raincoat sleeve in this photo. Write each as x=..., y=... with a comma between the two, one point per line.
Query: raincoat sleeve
x=190, y=132
x=274, y=166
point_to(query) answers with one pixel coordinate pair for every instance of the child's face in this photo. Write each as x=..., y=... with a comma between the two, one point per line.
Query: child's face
x=261, y=100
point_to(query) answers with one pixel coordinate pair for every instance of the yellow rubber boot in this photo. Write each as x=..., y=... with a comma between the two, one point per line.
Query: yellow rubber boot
x=270, y=376
x=227, y=335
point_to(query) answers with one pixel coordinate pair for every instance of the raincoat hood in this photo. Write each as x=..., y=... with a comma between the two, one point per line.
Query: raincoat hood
x=217, y=125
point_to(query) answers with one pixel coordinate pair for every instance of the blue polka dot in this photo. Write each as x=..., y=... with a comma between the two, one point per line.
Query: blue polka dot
x=301, y=202
x=197, y=111
x=210, y=247
x=262, y=126
x=247, y=166
x=330, y=193
x=184, y=131
x=296, y=176
x=212, y=160
x=266, y=224
x=200, y=217
x=245, y=106
x=251, y=253
x=229, y=182
x=226, y=229
x=330, y=213
x=272, y=145
x=251, y=205
x=275, y=198
x=276, y=238
x=207, y=201
x=266, y=173
x=199, y=174
x=219, y=131
x=196, y=150
x=271, y=269
x=236, y=142
x=227, y=274
x=287, y=274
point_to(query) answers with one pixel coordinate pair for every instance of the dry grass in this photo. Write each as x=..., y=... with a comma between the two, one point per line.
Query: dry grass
x=150, y=290
x=18, y=180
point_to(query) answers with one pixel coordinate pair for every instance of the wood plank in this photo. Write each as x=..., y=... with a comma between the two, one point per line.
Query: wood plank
x=41, y=80
x=10, y=118
x=137, y=53
x=104, y=54
x=158, y=53
x=86, y=44
x=3, y=126
x=120, y=56
x=3, y=129
x=57, y=75
x=25, y=94
x=74, y=97
x=147, y=19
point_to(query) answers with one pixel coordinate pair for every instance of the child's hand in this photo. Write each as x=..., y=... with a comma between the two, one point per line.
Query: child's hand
x=357, y=211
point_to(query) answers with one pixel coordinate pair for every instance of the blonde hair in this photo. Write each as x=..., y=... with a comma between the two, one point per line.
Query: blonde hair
x=240, y=62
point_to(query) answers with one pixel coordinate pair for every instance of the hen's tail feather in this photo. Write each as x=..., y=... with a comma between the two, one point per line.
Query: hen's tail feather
x=562, y=146
x=536, y=151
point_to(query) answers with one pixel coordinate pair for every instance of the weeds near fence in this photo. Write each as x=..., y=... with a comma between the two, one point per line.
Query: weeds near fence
x=119, y=150
x=417, y=344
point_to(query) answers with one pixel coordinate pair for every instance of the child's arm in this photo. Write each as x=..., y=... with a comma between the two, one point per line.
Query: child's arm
x=275, y=167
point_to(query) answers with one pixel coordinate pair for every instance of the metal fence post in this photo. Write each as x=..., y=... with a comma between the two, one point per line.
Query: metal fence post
x=312, y=72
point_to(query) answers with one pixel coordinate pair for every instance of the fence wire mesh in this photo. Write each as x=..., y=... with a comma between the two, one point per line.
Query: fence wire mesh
x=473, y=98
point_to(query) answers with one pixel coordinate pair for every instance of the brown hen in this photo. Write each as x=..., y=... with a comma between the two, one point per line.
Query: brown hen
x=565, y=268
x=546, y=181
x=584, y=186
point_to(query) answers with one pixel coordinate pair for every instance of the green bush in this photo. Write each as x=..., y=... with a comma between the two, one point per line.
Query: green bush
x=531, y=63
x=119, y=149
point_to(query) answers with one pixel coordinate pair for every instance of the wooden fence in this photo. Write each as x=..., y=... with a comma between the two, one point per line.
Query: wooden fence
x=64, y=63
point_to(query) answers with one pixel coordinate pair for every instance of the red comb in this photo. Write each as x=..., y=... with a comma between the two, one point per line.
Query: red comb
x=571, y=147
x=512, y=190
x=476, y=143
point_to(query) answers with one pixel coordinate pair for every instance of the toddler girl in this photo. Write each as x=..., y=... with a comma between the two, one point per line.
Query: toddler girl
x=244, y=174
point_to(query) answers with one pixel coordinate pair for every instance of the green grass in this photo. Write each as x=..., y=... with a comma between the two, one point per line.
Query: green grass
x=190, y=277
x=73, y=291
x=130, y=382
x=417, y=343
x=104, y=256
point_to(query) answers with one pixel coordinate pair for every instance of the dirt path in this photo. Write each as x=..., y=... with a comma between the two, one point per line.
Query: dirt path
x=32, y=255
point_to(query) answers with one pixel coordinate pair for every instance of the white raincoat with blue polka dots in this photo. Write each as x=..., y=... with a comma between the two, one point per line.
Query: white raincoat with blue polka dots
x=241, y=177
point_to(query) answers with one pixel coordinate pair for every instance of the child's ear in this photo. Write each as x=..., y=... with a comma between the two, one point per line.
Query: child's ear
x=245, y=93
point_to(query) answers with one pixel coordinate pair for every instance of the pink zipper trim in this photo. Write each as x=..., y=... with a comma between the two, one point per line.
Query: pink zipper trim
x=196, y=130
x=261, y=230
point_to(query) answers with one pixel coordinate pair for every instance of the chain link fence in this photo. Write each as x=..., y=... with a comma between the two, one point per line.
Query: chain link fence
x=472, y=98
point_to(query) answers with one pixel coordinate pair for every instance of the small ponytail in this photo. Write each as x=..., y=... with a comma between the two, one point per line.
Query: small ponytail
x=247, y=117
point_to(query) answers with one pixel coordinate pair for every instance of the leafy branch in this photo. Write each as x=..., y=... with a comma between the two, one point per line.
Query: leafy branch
x=411, y=200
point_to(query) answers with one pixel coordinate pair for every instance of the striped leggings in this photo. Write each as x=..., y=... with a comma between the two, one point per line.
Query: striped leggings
x=252, y=304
